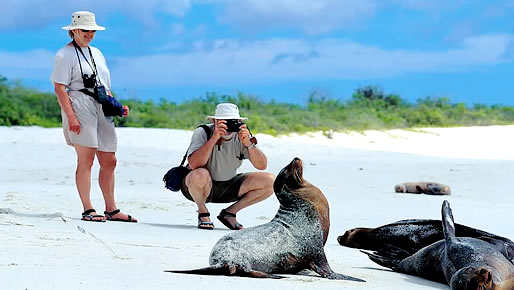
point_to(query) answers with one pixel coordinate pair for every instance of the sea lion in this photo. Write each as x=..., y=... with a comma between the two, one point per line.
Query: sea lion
x=431, y=188
x=461, y=262
x=409, y=236
x=291, y=242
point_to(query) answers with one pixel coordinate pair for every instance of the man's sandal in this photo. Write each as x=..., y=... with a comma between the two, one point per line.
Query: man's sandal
x=87, y=216
x=109, y=216
x=223, y=218
x=204, y=225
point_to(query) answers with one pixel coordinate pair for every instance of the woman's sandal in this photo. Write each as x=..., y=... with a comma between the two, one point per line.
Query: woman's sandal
x=204, y=225
x=222, y=217
x=88, y=217
x=109, y=216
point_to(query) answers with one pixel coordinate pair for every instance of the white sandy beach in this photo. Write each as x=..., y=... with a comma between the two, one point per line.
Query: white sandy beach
x=44, y=245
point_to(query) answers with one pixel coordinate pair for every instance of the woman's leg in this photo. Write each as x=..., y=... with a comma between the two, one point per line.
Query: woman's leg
x=85, y=158
x=107, y=162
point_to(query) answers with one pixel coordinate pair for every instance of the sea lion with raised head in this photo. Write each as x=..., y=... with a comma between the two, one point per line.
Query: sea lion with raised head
x=461, y=262
x=409, y=236
x=430, y=188
x=291, y=242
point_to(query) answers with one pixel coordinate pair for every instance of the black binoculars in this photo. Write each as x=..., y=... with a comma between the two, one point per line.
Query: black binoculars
x=89, y=81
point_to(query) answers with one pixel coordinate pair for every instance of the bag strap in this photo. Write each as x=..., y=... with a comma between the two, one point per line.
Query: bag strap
x=208, y=131
x=93, y=67
x=89, y=93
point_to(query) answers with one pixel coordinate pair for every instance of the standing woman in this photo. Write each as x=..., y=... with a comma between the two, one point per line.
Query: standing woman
x=79, y=66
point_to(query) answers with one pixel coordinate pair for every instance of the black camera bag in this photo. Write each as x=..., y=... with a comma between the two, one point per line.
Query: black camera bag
x=174, y=177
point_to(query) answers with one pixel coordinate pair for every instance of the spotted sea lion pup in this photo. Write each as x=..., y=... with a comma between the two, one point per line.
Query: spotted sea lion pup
x=430, y=188
x=461, y=262
x=291, y=242
x=409, y=236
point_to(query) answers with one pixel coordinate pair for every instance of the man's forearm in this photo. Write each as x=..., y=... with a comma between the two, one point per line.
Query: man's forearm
x=257, y=158
x=200, y=157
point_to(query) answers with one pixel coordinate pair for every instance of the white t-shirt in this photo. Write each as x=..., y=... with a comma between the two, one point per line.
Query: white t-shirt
x=67, y=70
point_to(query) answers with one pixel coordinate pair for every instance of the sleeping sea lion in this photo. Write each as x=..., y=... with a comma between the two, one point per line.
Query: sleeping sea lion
x=409, y=236
x=431, y=188
x=461, y=262
x=292, y=241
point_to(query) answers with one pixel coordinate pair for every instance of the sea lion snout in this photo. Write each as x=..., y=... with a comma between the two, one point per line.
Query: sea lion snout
x=291, y=176
x=346, y=238
x=472, y=278
x=355, y=238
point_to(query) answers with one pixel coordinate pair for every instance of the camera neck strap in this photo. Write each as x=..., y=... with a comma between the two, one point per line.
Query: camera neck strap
x=77, y=49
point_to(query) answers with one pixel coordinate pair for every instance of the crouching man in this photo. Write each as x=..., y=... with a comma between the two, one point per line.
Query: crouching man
x=214, y=155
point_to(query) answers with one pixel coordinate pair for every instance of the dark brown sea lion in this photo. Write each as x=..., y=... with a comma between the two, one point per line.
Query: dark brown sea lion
x=461, y=262
x=431, y=188
x=409, y=236
x=293, y=241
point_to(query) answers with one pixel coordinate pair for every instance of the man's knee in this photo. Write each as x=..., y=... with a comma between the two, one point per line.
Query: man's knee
x=263, y=181
x=199, y=177
x=268, y=180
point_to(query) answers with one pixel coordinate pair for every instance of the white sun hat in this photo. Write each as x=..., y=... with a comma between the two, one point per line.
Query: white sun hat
x=226, y=111
x=83, y=20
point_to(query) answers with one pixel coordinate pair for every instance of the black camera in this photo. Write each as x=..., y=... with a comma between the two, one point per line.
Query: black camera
x=233, y=125
x=89, y=81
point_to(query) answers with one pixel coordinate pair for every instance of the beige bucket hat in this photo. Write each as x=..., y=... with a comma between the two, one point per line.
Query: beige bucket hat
x=83, y=20
x=226, y=111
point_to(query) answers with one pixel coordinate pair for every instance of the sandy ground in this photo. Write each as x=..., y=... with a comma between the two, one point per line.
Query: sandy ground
x=44, y=245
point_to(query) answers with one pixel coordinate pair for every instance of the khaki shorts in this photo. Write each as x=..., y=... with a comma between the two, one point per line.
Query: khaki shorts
x=96, y=130
x=221, y=191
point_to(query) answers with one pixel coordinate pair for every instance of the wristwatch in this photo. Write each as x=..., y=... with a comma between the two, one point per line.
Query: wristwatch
x=254, y=142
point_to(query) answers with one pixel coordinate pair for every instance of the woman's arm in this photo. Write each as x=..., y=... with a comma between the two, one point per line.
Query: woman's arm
x=65, y=103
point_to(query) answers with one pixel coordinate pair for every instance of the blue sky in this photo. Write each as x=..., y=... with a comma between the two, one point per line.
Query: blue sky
x=277, y=49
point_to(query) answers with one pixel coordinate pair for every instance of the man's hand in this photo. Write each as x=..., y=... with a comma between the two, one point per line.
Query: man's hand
x=220, y=129
x=125, y=111
x=244, y=135
x=74, y=124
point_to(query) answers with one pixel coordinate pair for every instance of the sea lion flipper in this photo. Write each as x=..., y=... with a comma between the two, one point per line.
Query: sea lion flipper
x=259, y=274
x=448, y=223
x=213, y=270
x=227, y=271
x=320, y=266
x=383, y=260
x=337, y=276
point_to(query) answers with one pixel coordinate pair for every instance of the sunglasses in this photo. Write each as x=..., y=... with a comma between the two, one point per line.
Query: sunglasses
x=85, y=30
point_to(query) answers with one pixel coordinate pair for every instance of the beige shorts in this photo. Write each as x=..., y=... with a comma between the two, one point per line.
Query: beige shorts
x=96, y=130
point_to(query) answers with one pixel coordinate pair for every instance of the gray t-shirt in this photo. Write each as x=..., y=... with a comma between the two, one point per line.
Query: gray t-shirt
x=224, y=160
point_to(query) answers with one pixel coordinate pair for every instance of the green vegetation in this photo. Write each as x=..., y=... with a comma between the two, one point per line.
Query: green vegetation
x=368, y=108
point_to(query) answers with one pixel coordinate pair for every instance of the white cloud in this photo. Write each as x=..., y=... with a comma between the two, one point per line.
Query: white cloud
x=313, y=17
x=232, y=62
x=235, y=62
x=39, y=13
x=35, y=64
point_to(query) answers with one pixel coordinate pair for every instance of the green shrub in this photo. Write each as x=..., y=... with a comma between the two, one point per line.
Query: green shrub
x=368, y=108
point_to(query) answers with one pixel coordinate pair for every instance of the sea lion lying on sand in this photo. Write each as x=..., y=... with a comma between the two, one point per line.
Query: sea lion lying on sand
x=461, y=262
x=431, y=188
x=293, y=241
x=409, y=236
